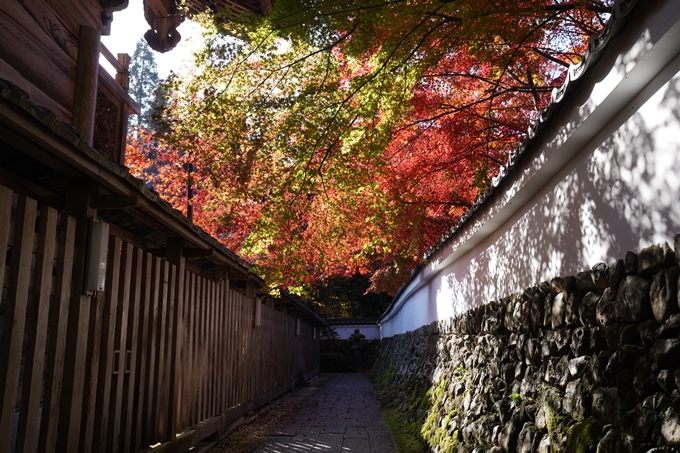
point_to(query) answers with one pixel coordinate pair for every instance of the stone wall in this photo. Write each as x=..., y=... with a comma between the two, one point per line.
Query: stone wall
x=585, y=363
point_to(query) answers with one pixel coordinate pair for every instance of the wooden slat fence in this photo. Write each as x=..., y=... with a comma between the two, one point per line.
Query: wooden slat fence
x=172, y=356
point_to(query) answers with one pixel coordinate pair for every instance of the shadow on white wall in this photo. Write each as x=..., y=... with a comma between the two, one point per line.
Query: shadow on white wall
x=625, y=195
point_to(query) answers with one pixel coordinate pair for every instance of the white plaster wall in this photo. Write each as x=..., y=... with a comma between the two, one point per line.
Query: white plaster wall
x=613, y=185
x=371, y=332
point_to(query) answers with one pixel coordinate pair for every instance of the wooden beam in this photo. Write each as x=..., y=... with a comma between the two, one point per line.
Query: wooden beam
x=76, y=364
x=116, y=92
x=114, y=201
x=128, y=237
x=123, y=76
x=236, y=275
x=196, y=252
x=12, y=339
x=28, y=134
x=106, y=53
x=175, y=338
x=25, y=187
x=87, y=78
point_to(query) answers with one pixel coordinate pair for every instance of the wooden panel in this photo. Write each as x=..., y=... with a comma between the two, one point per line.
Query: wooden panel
x=15, y=317
x=94, y=341
x=189, y=395
x=57, y=341
x=6, y=196
x=27, y=435
x=230, y=344
x=76, y=361
x=164, y=363
x=33, y=59
x=175, y=336
x=211, y=348
x=222, y=345
x=131, y=380
x=149, y=422
x=120, y=345
x=140, y=385
x=106, y=356
x=160, y=348
x=202, y=413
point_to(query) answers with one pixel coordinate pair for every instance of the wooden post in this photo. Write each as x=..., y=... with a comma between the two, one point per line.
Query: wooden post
x=87, y=75
x=123, y=77
x=57, y=341
x=27, y=436
x=250, y=289
x=76, y=366
x=258, y=312
x=176, y=316
x=12, y=339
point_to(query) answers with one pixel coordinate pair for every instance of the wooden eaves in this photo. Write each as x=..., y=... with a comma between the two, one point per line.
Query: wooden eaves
x=164, y=16
x=296, y=307
x=38, y=134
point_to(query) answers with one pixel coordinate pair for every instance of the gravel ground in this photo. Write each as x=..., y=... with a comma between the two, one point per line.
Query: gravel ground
x=247, y=437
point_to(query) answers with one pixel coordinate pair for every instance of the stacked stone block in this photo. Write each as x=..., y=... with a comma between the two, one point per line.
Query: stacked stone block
x=584, y=363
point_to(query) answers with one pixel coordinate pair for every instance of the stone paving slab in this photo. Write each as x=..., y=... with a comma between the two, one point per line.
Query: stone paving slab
x=341, y=417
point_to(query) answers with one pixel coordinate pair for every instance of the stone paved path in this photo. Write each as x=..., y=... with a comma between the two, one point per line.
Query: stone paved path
x=342, y=417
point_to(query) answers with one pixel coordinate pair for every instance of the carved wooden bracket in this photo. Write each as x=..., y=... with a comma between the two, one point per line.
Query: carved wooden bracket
x=163, y=16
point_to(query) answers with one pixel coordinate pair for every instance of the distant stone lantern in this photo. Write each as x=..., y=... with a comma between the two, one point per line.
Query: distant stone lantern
x=357, y=336
x=357, y=346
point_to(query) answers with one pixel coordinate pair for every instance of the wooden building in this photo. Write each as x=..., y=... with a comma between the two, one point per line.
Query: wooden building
x=164, y=16
x=122, y=324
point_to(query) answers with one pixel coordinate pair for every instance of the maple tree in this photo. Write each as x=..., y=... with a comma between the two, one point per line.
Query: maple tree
x=333, y=137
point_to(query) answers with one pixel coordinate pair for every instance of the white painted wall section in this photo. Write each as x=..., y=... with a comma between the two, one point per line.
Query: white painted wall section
x=604, y=178
x=371, y=332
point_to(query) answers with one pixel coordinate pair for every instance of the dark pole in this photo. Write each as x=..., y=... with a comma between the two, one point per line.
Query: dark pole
x=190, y=194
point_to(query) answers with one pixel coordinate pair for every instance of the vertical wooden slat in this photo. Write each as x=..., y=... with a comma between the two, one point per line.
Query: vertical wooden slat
x=213, y=331
x=208, y=350
x=108, y=329
x=184, y=391
x=175, y=336
x=57, y=341
x=143, y=353
x=76, y=364
x=167, y=338
x=218, y=349
x=6, y=196
x=149, y=422
x=189, y=359
x=240, y=372
x=246, y=349
x=159, y=403
x=230, y=345
x=248, y=326
x=204, y=350
x=15, y=317
x=235, y=348
x=135, y=319
x=198, y=382
x=94, y=341
x=223, y=343
x=27, y=435
x=242, y=352
x=120, y=344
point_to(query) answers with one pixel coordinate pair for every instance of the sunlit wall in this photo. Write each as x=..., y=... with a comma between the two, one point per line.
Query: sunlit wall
x=370, y=332
x=604, y=179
